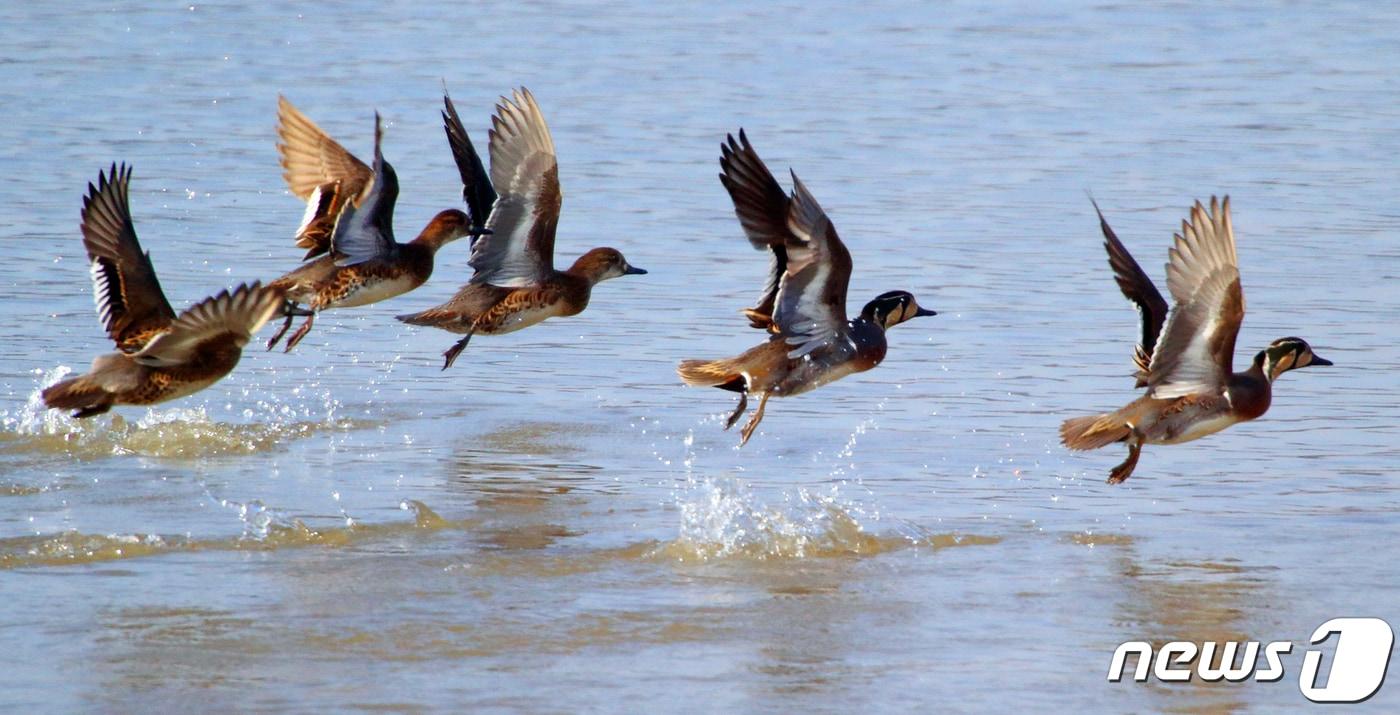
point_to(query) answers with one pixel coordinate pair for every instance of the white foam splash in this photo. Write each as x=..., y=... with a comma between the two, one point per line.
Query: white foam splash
x=161, y=431
x=722, y=515
x=34, y=418
x=723, y=518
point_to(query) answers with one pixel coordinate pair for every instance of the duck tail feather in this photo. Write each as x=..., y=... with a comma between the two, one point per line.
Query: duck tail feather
x=1093, y=432
x=708, y=373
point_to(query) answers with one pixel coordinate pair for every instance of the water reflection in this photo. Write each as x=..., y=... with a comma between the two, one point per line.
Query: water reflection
x=1196, y=601
x=522, y=488
x=806, y=622
x=509, y=458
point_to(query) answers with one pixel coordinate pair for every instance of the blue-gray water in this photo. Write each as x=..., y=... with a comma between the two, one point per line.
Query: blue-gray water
x=556, y=524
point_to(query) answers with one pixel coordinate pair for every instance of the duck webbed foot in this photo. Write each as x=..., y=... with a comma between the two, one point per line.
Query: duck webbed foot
x=291, y=310
x=738, y=411
x=1125, y=470
x=300, y=333
x=450, y=356
x=272, y=342
x=752, y=424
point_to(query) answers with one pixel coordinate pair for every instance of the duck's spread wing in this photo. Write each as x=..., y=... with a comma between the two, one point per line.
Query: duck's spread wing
x=762, y=208
x=310, y=158
x=130, y=303
x=811, y=302
x=1195, y=353
x=1205, y=245
x=319, y=171
x=365, y=228
x=477, y=191
x=519, y=250
x=227, y=316
x=1138, y=288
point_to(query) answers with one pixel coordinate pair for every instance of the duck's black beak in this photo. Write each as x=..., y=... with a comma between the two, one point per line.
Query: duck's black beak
x=634, y=271
x=1319, y=361
x=921, y=312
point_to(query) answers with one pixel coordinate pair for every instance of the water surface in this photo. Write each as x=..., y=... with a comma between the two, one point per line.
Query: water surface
x=556, y=524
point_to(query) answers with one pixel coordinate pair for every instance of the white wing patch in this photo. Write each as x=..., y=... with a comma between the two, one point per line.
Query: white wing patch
x=524, y=171
x=313, y=205
x=101, y=292
x=503, y=257
x=1183, y=363
x=810, y=319
x=809, y=316
x=1196, y=372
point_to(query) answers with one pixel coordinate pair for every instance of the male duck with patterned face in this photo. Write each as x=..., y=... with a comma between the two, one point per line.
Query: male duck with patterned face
x=1185, y=358
x=803, y=305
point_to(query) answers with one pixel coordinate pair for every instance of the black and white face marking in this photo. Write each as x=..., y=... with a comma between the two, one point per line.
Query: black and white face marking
x=1287, y=354
x=893, y=308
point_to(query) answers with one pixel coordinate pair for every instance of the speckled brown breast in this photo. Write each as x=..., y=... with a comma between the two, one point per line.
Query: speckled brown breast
x=321, y=284
x=563, y=295
x=365, y=284
x=210, y=364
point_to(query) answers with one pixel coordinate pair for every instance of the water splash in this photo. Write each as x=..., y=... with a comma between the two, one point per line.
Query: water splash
x=179, y=432
x=34, y=418
x=723, y=518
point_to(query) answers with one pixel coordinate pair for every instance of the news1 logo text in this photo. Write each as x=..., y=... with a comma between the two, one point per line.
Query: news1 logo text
x=1356, y=672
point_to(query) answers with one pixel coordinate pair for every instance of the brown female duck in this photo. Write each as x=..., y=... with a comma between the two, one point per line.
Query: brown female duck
x=161, y=356
x=1184, y=358
x=351, y=257
x=515, y=284
x=803, y=304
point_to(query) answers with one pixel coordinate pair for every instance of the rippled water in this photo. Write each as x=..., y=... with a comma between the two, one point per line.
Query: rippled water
x=557, y=524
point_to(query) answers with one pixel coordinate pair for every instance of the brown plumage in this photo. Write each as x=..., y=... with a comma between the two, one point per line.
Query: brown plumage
x=515, y=284
x=161, y=356
x=803, y=304
x=348, y=233
x=1192, y=388
x=319, y=171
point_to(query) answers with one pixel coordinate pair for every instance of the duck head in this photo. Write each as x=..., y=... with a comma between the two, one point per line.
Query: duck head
x=600, y=264
x=1286, y=354
x=445, y=228
x=892, y=308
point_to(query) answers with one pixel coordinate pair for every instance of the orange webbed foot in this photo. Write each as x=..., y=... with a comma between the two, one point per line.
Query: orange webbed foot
x=1121, y=472
x=752, y=424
